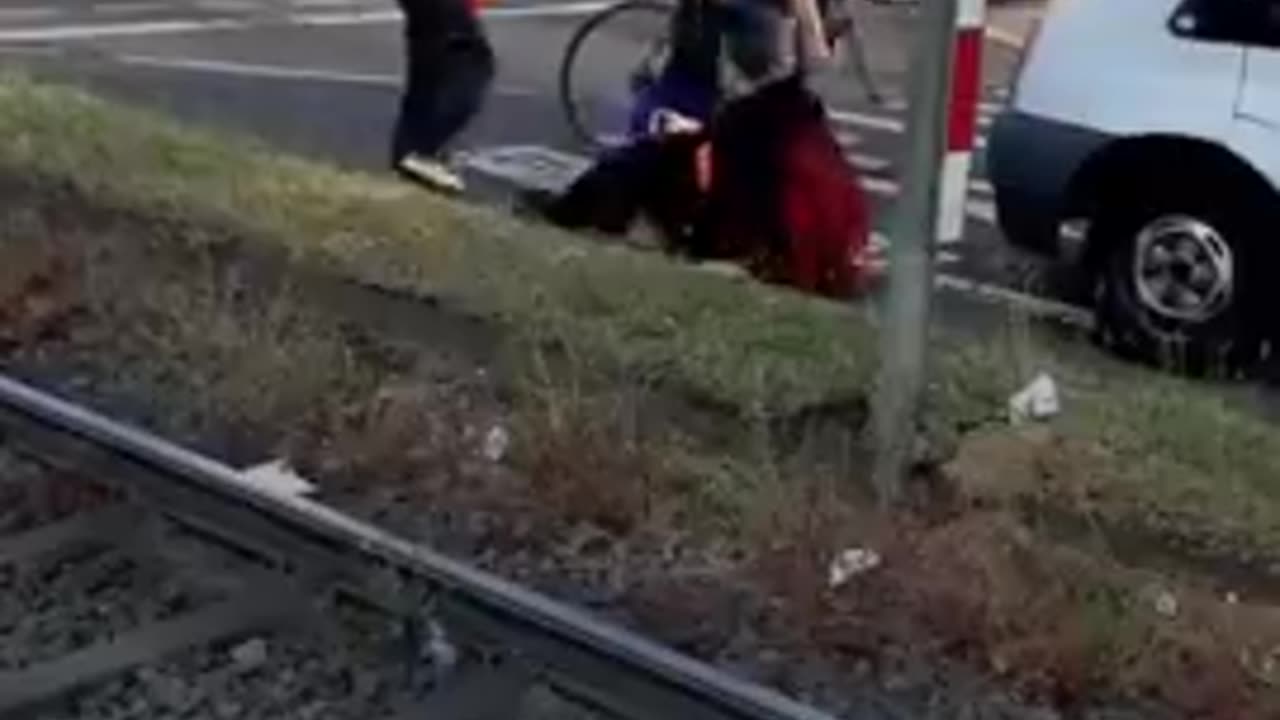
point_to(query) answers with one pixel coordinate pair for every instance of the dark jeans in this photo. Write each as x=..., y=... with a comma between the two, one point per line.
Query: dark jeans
x=703, y=30
x=449, y=68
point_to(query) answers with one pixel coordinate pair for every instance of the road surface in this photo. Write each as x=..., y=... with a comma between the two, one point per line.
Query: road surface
x=320, y=77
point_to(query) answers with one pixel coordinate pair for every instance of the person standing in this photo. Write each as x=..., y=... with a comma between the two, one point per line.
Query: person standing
x=765, y=40
x=449, y=67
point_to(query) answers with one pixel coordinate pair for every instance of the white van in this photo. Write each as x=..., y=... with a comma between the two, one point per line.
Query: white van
x=1155, y=124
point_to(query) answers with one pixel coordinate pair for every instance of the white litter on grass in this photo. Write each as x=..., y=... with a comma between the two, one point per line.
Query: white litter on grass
x=851, y=563
x=277, y=477
x=1166, y=604
x=496, y=444
x=439, y=650
x=1037, y=401
x=250, y=655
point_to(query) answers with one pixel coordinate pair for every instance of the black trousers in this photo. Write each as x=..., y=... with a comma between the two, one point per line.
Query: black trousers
x=652, y=177
x=449, y=66
x=746, y=31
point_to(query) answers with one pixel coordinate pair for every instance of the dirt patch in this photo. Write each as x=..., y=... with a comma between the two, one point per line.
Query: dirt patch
x=1063, y=487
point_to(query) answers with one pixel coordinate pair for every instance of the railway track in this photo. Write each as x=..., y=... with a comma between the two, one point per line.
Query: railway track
x=141, y=580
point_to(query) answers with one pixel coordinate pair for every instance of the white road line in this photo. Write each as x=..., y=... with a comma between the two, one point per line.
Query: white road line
x=568, y=9
x=107, y=30
x=284, y=72
x=867, y=121
x=1041, y=307
x=868, y=163
x=89, y=31
x=848, y=140
x=982, y=210
x=277, y=72
x=229, y=6
x=882, y=123
x=343, y=19
x=985, y=107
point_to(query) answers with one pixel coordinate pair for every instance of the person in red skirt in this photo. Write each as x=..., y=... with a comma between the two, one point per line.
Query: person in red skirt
x=765, y=185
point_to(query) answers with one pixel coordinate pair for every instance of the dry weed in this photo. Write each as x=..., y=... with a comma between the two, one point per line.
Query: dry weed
x=38, y=297
x=583, y=463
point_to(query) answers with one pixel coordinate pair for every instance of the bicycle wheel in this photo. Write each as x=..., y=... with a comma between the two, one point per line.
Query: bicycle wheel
x=608, y=55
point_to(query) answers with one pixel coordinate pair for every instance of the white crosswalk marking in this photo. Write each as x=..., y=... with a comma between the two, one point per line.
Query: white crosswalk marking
x=848, y=140
x=982, y=210
x=868, y=121
x=868, y=163
x=889, y=121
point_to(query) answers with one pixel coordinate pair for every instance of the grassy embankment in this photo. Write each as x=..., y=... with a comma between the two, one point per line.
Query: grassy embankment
x=213, y=287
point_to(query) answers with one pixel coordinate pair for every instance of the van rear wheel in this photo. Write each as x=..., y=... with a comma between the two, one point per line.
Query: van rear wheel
x=1175, y=286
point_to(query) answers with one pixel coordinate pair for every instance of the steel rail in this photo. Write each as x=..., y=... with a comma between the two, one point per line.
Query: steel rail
x=567, y=648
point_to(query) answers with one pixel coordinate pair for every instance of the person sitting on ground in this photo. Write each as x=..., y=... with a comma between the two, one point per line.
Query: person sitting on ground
x=765, y=185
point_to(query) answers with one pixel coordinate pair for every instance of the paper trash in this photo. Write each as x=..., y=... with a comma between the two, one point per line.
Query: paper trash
x=850, y=563
x=1037, y=401
x=277, y=477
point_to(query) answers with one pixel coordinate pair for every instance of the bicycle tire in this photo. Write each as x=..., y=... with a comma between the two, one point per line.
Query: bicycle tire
x=568, y=101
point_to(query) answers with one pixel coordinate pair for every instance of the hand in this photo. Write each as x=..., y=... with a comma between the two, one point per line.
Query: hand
x=669, y=122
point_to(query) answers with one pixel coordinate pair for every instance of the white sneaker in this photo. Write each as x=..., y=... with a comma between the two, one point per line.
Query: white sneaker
x=431, y=172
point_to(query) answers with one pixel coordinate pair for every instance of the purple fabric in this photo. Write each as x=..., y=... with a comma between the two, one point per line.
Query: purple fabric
x=671, y=92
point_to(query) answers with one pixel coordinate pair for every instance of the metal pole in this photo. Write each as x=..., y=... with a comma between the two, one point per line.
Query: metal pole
x=904, y=335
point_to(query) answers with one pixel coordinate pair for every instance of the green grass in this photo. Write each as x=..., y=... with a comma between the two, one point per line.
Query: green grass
x=1172, y=451
x=712, y=335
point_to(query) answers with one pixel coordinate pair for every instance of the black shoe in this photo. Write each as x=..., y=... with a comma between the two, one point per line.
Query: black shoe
x=537, y=202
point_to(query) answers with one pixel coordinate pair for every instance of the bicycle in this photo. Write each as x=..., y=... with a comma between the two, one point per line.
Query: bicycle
x=601, y=123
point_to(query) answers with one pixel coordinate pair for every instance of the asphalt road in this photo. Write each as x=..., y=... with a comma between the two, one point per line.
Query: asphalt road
x=321, y=77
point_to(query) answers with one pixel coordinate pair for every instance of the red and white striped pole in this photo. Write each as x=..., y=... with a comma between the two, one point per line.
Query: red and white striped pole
x=962, y=118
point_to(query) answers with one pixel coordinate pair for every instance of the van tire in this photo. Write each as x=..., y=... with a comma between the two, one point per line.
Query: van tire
x=1137, y=320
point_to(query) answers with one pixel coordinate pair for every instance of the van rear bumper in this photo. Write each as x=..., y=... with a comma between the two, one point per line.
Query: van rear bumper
x=1031, y=162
